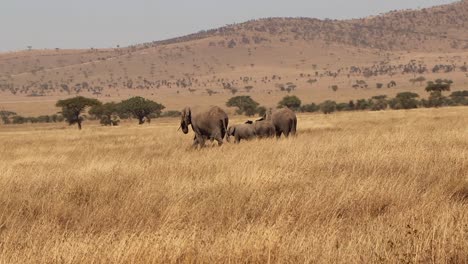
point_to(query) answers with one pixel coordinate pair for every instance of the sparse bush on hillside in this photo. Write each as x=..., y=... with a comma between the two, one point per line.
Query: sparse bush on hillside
x=248, y=88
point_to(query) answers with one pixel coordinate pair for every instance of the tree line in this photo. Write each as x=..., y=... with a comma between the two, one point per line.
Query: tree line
x=405, y=100
x=109, y=114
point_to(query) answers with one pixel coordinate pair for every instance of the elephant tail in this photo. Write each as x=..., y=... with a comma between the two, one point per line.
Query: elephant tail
x=293, y=126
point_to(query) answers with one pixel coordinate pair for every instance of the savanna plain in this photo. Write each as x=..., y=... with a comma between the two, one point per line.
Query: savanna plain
x=357, y=187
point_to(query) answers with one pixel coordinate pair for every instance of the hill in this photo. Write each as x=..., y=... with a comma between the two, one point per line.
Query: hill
x=260, y=58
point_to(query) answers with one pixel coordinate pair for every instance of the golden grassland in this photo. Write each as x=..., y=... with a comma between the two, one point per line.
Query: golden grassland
x=357, y=187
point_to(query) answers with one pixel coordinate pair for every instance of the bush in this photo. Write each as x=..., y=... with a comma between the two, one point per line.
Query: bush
x=171, y=113
x=292, y=102
x=328, y=107
x=245, y=105
x=72, y=108
x=141, y=108
x=405, y=100
x=378, y=103
x=362, y=104
x=310, y=108
x=342, y=107
x=106, y=113
x=261, y=110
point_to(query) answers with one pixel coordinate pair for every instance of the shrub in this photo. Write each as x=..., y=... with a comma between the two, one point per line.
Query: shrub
x=171, y=113
x=292, y=102
x=405, y=100
x=107, y=113
x=141, y=108
x=245, y=105
x=72, y=108
x=310, y=108
x=328, y=107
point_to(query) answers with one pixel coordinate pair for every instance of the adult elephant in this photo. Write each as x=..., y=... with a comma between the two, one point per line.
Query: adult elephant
x=242, y=131
x=208, y=124
x=284, y=120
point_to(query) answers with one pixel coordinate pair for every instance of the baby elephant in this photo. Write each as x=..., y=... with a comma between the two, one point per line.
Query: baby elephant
x=241, y=131
x=263, y=128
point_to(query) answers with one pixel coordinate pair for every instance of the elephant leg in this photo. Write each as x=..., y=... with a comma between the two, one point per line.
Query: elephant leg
x=199, y=140
x=278, y=133
x=220, y=140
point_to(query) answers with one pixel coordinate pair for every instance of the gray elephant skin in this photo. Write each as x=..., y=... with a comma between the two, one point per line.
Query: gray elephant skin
x=284, y=120
x=264, y=129
x=241, y=132
x=208, y=124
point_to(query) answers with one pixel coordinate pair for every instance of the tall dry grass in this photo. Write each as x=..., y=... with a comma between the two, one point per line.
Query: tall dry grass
x=351, y=188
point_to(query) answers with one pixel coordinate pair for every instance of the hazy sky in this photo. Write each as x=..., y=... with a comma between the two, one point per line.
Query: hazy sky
x=106, y=23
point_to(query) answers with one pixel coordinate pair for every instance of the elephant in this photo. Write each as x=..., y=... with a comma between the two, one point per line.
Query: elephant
x=242, y=131
x=210, y=124
x=284, y=120
x=264, y=129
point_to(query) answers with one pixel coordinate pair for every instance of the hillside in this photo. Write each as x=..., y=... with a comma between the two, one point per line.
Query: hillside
x=264, y=58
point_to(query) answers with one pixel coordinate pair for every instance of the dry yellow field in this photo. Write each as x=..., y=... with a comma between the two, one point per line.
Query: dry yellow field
x=356, y=187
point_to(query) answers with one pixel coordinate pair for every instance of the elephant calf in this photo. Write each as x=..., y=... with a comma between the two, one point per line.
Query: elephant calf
x=264, y=129
x=241, y=131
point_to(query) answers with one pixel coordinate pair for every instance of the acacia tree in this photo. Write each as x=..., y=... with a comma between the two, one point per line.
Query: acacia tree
x=5, y=116
x=292, y=102
x=106, y=113
x=72, y=108
x=404, y=100
x=435, y=89
x=245, y=105
x=141, y=108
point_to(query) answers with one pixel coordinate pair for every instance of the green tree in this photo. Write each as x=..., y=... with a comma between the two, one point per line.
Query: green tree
x=328, y=107
x=245, y=105
x=141, y=108
x=290, y=101
x=309, y=108
x=435, y=89
x=378, y=103
x=405, y=100
x=460, y=97
x=261, y=110
x=5, y=116
x=439, y=86
x=106, y=113
x=72, y=108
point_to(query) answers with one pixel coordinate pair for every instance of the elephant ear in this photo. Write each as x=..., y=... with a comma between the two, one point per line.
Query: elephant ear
x=187, y=113
x=232, y=130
